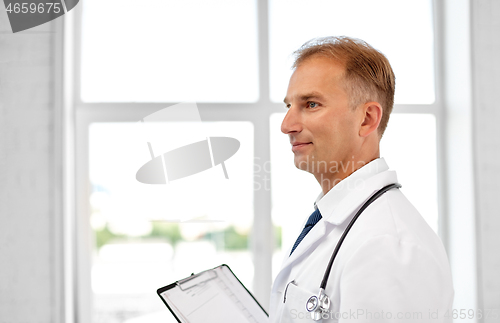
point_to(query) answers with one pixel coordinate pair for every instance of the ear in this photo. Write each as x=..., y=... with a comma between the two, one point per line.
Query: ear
x=372, y=114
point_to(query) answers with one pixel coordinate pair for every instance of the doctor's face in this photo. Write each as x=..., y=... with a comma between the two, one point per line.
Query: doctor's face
x=320, y=123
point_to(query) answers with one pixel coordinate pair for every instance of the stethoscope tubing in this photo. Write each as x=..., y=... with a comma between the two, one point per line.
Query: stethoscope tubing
x=349, y=226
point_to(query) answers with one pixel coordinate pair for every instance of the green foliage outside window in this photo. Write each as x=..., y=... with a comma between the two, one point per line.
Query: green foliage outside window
x=228, y=239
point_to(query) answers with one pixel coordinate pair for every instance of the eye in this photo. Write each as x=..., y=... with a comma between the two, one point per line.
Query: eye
x=312, y=105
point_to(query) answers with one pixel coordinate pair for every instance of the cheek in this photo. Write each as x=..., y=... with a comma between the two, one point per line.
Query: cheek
x=335, y=140
x=347, y=128
x=334, y=132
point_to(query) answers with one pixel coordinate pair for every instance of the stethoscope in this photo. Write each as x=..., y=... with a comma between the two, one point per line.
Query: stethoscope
x=317, y=305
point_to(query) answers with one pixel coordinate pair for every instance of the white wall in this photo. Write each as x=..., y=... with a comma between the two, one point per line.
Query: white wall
x=459, y=185
x=485, y=32
x=29, y=274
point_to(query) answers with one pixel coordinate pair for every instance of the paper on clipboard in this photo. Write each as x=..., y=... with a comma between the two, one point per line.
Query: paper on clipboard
x=212, y=296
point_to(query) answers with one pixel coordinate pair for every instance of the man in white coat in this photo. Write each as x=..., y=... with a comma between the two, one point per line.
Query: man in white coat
x=392, y=267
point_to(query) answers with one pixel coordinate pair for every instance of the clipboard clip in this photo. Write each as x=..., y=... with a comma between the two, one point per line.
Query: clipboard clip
x=196, y=280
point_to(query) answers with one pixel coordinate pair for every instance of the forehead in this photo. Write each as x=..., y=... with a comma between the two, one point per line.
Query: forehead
x=317, y=74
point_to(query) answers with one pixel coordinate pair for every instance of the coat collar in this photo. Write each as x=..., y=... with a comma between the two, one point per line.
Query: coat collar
x=358, y=196
x=354, y=184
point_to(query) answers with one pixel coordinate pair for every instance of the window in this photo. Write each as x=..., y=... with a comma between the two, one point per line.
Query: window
x=233, y=58
x=169, y=51
x=402, y=30
x=148, y=235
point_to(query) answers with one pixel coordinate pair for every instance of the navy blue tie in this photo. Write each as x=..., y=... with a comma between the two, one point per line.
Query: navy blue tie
x=313, y=219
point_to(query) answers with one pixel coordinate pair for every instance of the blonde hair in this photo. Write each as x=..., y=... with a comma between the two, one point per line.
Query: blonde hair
x=368, y=75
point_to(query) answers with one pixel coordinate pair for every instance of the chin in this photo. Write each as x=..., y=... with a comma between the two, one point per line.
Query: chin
x=302, y=163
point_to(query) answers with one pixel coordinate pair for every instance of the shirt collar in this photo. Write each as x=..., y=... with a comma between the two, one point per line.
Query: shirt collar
x=327, y=203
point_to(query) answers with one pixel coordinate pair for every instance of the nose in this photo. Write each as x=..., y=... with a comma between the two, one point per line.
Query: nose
x=291, y=123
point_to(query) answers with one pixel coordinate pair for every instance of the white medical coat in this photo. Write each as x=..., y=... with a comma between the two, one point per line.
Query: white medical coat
x=392, y=267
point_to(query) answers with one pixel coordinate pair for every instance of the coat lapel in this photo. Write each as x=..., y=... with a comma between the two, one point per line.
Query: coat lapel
x=305, y=247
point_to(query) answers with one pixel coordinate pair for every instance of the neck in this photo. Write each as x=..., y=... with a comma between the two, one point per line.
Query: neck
x=344, y=168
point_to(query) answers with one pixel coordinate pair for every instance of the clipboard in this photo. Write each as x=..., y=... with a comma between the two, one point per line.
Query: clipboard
x=212, y=296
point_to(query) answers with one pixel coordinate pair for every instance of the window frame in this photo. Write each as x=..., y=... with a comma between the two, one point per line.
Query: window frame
x=258, y=113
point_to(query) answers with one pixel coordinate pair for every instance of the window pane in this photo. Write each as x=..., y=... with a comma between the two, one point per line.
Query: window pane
x=146, y=235
x=402, y=30
x=169, y=51
x=408, y=146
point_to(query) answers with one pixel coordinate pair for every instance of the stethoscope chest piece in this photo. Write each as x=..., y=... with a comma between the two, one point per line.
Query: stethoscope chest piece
x=317, y=305
x=312, y=303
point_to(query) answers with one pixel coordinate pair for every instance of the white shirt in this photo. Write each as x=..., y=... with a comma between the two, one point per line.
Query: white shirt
x=392, y=267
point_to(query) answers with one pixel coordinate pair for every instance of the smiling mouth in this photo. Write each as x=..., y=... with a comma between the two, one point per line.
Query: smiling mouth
x=296, y=147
